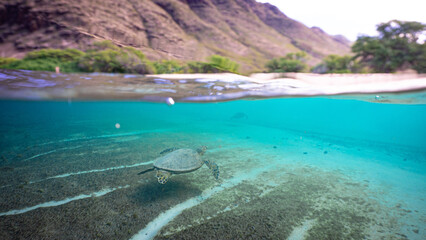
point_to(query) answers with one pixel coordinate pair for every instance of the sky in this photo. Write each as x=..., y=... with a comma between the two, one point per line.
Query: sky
x=351, y=18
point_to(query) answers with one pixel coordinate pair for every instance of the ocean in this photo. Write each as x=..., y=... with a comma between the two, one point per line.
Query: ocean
x=291, y=167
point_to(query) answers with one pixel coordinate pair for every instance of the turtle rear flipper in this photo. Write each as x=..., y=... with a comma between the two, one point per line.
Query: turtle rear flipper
x=163, y=176
x=213, y=167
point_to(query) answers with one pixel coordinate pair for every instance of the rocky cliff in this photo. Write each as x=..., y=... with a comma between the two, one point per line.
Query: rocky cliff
x=244, y=30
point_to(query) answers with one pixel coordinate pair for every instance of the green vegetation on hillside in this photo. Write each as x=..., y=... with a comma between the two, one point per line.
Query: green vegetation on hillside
x=399, y=46
x=46, y=60
x=292, y=62
x=4, y=61
x=168, y=66
x=223, y=64
x=216, y=64
x=106, y=57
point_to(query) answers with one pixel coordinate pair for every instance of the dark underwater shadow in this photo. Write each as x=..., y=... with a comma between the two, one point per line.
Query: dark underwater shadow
x=176, y=188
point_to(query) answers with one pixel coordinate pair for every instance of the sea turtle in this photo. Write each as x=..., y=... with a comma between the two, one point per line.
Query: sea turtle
x=180, y=161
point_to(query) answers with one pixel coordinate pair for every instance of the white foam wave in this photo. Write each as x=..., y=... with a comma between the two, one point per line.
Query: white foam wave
x=61, y=202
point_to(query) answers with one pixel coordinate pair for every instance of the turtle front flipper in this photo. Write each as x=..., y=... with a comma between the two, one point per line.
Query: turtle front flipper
x=163, y=176
x=146, y=170
x=213, y=167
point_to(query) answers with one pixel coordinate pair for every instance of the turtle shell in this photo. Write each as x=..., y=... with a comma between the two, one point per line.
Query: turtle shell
x=179, y=161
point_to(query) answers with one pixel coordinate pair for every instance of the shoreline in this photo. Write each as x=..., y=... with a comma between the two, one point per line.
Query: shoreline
x=34, y=85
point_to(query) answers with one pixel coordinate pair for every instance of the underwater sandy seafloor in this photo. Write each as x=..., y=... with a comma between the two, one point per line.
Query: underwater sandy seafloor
x=274, y=183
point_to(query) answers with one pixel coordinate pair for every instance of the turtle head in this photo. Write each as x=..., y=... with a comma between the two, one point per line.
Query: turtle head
x=201, y=150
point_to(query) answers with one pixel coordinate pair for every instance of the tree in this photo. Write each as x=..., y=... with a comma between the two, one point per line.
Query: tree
x=292, y=62
x=107, y=57
x=397, y=47
x=420, y=64
x=46, y=60
x=401, y=29
x=223, y=64
x=215, y=64
x=338, y=64
x=168, y=66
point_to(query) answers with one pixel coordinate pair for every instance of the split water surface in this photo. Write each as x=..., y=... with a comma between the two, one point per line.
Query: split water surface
x=290, y=168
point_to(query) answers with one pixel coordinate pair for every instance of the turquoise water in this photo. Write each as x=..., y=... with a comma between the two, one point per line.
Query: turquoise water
x=294, y=168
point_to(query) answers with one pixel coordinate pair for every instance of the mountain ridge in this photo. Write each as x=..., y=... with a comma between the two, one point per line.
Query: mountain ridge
x=246, y=31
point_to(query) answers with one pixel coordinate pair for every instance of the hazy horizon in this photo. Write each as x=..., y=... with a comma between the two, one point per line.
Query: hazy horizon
x=351, y=18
